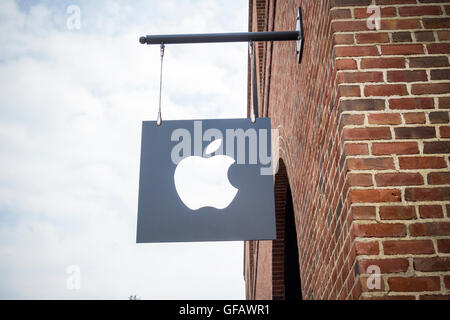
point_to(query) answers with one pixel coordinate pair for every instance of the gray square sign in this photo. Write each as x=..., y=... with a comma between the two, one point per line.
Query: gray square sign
x=206, y=180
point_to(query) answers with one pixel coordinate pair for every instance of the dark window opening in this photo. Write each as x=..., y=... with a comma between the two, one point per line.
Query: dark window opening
x=292, y=283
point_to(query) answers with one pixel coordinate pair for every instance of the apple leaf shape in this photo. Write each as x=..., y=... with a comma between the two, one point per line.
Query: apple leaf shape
x=213, y=146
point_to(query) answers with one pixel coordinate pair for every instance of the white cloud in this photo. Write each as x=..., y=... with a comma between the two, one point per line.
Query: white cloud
x=71, y=106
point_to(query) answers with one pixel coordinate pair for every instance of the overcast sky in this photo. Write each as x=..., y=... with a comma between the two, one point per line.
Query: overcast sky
x=71, y=106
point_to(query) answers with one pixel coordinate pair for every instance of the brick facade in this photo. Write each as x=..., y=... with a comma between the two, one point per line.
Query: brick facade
x=364, y=148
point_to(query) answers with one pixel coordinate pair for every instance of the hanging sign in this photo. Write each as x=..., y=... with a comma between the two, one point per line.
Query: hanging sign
x=206, y=180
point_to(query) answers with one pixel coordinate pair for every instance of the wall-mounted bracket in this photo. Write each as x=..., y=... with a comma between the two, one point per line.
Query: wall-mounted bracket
x=299, y=29
x=296, y=35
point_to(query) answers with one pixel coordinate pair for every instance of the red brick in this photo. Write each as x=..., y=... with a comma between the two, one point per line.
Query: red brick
x=371, y=196
x=439, y=178
x=416, y=284
x=414, y=118
x=444, y=103
x=352, y=119
x=346, y=26
x=370, y=164
x=432, y=264
x=436, y=48
x=358, y=77
x=352, y=149
x=436, y=147
x=443, y=245
x=349, y=91
x=381, y=148
x=397, y=212
x=380, y=230
x=391, y=247
x=385, y=118
x=385, y=265
x=398, y=179
x=382, y=63
x=367, y=247
x=438, y=117
x=411, y=103
x=419, y=11
x=436, y=23
x=430, y=211
x=362, y=105
x=360, y=179
x=430, y=229
x=422, y=162
x=402, y=49
x=447, y=282
x=415, y=132
x=367, y=133
x=427, y=194
x=360, y=51
x=401, y=37
x=430, y=88
x=341, y=14
x=346, y=64
x=440, y=74
x=363, y=213
x=376, y=37
x=343, y=38
x=424, y=36
x=443, y=35
x=444, y=131
x=407, y=76
x=400, y=24
x=385, y=90
x=428, y=62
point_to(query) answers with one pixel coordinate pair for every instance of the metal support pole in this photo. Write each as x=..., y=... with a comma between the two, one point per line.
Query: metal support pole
x=221, y=37
x=296, y=35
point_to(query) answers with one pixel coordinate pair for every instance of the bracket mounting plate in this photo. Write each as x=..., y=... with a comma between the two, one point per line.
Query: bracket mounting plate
x=299, y=29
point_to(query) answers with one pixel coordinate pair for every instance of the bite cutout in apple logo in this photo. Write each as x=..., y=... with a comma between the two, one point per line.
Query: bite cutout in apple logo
x=203, y=182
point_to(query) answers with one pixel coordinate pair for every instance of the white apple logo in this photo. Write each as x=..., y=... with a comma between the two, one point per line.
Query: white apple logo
x=203, y=182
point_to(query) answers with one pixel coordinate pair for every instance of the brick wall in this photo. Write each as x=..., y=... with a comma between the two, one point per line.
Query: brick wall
x=365, y=141
x=395, y=84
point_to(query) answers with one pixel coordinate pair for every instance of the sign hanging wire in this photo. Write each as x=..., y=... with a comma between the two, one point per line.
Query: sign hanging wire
x=253, y=110
x=254, y=86
x=159, y=119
